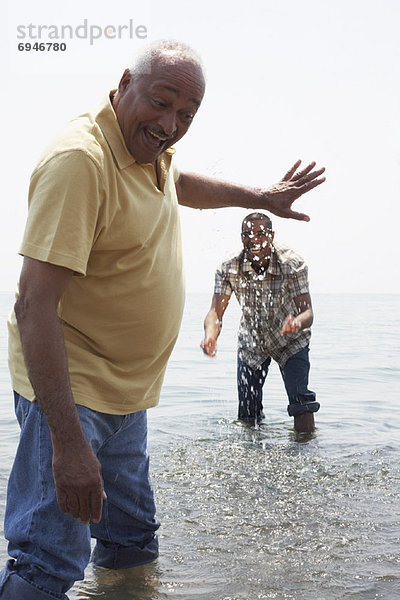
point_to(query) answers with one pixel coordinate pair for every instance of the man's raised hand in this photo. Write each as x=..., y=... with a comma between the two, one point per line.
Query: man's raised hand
x=281, y=196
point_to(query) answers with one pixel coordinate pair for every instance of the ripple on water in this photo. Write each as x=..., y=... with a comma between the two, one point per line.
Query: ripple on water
x=277, y=516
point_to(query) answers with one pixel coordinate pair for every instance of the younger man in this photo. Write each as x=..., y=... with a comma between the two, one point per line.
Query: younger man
x=270, y=283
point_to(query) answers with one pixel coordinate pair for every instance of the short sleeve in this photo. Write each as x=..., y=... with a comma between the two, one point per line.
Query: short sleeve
x=222, y=283
x=65, y=195
x=298, y=282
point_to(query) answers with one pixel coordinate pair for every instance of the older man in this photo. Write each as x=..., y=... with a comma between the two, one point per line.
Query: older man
x=271, y=284
x=98, y=312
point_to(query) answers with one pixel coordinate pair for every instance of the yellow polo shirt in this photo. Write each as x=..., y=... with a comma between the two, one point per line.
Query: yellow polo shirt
x=95, y=210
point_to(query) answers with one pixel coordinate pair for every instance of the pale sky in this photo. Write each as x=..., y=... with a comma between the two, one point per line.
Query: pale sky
x=317, y=80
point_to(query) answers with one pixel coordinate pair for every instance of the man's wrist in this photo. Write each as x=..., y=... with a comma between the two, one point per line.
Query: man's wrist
x=68, y=433
x=263, y=199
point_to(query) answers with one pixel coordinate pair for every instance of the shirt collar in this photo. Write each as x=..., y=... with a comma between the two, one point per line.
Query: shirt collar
x=273, y=267
x=108, y=123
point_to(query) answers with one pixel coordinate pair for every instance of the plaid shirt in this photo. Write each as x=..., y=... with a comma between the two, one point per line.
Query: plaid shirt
x=266, y=299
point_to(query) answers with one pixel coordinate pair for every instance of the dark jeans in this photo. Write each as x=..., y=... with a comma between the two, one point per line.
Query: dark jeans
x=295, y=377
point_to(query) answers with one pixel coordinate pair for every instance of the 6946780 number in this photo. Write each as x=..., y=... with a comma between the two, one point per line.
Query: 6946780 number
x=42, y=47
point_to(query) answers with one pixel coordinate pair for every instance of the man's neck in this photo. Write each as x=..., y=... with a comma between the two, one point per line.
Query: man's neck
x=261, y=267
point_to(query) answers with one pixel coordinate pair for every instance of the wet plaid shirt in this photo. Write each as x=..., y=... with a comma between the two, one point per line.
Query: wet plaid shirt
x=266, y=300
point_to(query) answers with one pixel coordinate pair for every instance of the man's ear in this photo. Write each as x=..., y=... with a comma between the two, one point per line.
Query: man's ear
x=125, y=81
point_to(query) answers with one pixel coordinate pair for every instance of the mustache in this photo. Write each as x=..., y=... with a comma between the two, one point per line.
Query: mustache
x=160, y=132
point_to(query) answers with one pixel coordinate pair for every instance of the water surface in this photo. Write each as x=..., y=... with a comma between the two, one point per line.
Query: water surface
x=255, y=513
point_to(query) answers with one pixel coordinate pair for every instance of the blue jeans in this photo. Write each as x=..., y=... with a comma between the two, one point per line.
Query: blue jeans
x=50, y=549
x=295, y=377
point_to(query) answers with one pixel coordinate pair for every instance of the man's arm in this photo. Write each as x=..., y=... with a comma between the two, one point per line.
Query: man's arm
x=303, y=319
x=197, y=191
x=213, y=323
x=76, y=470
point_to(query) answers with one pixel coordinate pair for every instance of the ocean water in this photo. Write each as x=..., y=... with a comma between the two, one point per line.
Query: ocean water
x=251, y=513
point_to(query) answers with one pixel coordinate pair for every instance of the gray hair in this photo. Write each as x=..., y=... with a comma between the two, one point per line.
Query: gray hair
x=170, y=51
